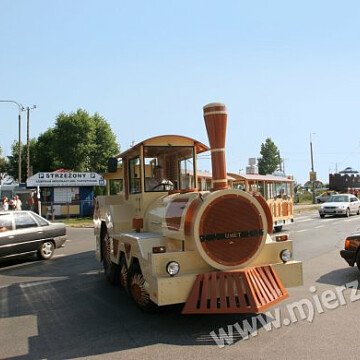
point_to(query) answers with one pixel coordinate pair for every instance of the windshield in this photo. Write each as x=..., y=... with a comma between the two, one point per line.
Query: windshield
x=338, y=198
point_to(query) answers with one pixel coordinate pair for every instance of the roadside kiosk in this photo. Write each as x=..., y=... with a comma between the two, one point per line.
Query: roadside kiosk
x=66, y=193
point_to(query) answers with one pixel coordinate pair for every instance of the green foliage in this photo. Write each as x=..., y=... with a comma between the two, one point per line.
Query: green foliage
x=77, y=142
x=45, y=158
x=105, y=144
x=3, y=165
x=270, y=157
x=13, y=160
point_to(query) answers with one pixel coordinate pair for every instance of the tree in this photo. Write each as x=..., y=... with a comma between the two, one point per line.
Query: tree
x=45, y=157
x=270, y=157
x=12, y=165
x=105, y=145
x=3, y=166
x=78, y=142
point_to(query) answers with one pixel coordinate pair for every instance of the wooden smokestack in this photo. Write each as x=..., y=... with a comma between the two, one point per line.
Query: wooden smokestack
x=215, y=116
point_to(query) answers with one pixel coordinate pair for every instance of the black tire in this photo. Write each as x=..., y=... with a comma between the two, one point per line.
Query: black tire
x=123, y=273
x=111, y=270
x=322, y=216
x=137, y=290
x=46, y=250
x=358, y=212
x=347, y=212
x=278, y=228
x=358, y=260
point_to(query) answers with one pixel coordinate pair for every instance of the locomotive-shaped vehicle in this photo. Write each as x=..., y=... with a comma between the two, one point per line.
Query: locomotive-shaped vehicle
x=169, y=243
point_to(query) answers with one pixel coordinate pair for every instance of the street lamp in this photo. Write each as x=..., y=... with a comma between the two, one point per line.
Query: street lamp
x=21, y=108
x=28, y=139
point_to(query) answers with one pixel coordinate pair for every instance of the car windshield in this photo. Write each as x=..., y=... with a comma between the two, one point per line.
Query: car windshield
x=338, y=198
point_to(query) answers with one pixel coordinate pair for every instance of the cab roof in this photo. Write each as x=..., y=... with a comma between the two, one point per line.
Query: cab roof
x=165, y=140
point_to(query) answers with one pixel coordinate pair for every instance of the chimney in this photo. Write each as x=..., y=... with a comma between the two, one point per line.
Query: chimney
x=215, y=116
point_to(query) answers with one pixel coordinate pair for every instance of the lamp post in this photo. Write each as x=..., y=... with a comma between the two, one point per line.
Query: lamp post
x=21, y=108
x=28, y=139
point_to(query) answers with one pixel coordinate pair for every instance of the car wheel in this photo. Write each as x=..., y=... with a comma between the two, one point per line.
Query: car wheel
x=278, y=228
x=46, y=250
x=358, y=260
x=111, y=270
x=322, y=216
x=347, y=212
x=358, y=212
x=138, y=291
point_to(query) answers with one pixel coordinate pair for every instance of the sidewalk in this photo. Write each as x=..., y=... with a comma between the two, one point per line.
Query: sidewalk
x=299, y=208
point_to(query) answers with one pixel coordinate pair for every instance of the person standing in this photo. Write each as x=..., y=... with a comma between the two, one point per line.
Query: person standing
x=5, y=203
x=17, y=203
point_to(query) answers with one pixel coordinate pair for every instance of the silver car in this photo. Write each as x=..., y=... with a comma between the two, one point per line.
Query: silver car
x=340, y=204
x=25, y=232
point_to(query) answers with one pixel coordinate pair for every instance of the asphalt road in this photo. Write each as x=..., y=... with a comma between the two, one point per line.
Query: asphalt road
x=64, y=309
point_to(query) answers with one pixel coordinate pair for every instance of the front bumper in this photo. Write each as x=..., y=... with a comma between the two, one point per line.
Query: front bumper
x=166, y=290
x=60, y=241
x=332, y=211
x=349, y=256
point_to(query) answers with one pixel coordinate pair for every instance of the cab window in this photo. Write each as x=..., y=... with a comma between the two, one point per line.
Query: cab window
x=134, y=176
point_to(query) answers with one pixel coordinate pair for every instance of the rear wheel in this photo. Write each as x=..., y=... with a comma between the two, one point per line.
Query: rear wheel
x=358, y=212
x=138, y=290
x=46, y=250
x=111, y=270
x=123, y=273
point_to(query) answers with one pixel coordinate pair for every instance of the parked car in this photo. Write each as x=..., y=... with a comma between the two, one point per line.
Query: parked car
x=340, y=204
x=25, y=232
x=325, y=196
x=351, y=251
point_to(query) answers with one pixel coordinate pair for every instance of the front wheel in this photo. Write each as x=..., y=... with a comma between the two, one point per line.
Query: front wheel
x=358, y=212
x=278, y=228
x=138, y=291
x=322, y=216
x=358, y=260
x=111, y=270
x=46, y=250
x=347, y=212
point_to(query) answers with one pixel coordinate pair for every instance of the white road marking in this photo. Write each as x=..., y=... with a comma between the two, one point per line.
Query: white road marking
x=303, y=230
x=43, y=282
x=318, y=227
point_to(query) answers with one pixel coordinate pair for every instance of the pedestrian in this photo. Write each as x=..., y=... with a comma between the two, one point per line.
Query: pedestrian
x=4, y=203
x=17, y=202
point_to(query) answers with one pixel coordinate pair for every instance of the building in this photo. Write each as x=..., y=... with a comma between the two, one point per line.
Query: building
x=66, y=193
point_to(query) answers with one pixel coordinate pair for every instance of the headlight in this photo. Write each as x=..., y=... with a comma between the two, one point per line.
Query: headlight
x=285, y=255
x=172, y=268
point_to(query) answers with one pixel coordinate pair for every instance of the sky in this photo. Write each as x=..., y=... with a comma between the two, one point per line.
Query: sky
x=285, y=70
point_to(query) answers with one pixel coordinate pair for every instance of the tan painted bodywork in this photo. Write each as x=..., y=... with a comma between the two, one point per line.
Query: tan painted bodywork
x=177, y=232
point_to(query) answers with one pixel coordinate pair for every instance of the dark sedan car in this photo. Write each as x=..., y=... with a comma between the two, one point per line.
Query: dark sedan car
x=24, y=232
x=351, y=252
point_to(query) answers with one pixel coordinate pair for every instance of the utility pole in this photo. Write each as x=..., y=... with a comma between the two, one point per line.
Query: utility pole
x=28, y=139
x=312, y=173
x=21, y=108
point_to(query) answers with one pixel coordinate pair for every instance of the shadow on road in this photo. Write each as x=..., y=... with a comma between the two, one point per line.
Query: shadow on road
x=340, y=277
x=79, y=314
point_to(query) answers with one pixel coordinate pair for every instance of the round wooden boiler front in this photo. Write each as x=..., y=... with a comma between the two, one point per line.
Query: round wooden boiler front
x=231, y=230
